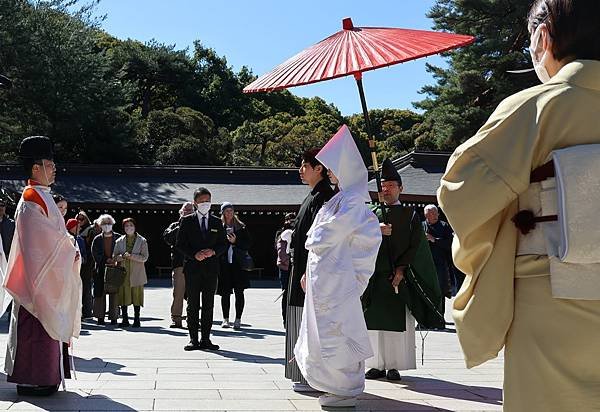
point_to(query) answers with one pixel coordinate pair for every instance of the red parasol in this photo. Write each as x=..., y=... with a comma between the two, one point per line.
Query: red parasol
x=352, y=51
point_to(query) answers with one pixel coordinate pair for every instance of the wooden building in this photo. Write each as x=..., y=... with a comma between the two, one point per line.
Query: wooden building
x=262, y=196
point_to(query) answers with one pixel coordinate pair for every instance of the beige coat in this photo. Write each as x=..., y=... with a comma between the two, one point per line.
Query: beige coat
x=479, y=194
x=139, y=255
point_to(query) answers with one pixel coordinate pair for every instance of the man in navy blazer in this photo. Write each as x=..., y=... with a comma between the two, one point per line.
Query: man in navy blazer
x=201, y=239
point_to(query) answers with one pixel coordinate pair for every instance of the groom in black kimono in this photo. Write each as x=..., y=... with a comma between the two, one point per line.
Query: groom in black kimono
x=314, y=174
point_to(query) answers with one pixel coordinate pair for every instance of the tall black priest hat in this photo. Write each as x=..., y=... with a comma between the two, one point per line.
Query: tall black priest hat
x=389, y=172
x=36, y=148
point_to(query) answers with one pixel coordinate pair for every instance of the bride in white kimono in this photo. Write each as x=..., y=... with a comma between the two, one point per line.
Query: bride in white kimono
x=343, y=242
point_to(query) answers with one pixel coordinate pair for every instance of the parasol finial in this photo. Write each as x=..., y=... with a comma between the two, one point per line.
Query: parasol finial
x=347, y=24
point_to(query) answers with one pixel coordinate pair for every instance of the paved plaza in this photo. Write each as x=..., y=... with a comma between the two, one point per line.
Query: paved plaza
x=147, y=369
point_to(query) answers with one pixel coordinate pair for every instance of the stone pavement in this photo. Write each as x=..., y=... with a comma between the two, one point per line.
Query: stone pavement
x=147, y=369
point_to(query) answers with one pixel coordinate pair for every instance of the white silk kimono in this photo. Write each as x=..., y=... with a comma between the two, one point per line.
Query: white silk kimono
x=43, y=274
x=343, y=243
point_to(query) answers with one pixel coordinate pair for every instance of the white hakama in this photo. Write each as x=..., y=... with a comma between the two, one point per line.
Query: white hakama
x=394, y=350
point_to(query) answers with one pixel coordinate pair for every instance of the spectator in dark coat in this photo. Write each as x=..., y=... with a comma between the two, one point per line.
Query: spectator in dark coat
x=87, y=231
x=178, y=278
x=7, y=228
x=232, y=279
x=439, y=234
x=103, y=246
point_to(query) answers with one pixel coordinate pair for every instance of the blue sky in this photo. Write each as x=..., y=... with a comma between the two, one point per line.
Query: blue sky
x=261, y=34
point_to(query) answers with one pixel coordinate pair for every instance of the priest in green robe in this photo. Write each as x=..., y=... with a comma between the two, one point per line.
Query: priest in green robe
x=403, y=288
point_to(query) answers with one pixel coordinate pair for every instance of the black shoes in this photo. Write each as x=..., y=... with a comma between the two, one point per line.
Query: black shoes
x=136, y=323
x=101, y=322
x=202, y=345
x=176, y=325
x=374, y=374
x=393, y=375
x=36, y=390
x=193, y=345
x=208, y=345
x=124, y=324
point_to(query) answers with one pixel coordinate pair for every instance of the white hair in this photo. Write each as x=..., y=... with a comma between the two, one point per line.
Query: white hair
x=430, y=207
x=104, y=217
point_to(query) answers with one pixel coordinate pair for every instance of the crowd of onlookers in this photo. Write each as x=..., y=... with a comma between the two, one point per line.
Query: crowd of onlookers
x=101, y=247
x=208, y=254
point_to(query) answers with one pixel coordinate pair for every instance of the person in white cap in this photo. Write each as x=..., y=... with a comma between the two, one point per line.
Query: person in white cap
x=343, y=242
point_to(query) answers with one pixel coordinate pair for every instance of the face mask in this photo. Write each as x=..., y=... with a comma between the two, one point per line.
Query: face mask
x=130, y=230
x=106, y=228
x=203, y=208
x=538, y=65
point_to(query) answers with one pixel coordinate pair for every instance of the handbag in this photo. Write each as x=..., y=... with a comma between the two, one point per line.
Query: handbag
x=245, y=260
x=114, y=276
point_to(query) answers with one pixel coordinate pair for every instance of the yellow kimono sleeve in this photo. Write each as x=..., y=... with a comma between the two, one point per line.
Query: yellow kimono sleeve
x=479, y=205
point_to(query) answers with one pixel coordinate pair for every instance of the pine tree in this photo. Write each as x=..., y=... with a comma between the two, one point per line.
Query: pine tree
x=476, y=80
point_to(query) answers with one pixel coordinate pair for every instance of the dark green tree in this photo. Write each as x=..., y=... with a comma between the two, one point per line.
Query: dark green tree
x=476, y=80
x=391, y=129
x=60, y=88
x=158, y=75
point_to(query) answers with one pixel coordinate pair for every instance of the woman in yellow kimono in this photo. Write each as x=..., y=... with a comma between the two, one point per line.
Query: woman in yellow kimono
x=551, y=344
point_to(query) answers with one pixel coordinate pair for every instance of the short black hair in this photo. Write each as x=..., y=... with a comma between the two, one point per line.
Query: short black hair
x=572, y=24
x=28, y=164
x=201, y=191
x=58, y=198
x=28, y=167
x=310, y=157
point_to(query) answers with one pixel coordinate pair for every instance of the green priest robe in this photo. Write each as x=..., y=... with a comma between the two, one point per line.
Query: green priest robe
x=419, y=291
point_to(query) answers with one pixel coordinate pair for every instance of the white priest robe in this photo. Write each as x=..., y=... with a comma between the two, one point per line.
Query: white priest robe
x=43, y=273
x=343, y=243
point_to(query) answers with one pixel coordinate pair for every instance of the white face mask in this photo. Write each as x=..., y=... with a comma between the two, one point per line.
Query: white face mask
x=130, y=230
x=538, y=65
x=203, y=208
x=106, y=228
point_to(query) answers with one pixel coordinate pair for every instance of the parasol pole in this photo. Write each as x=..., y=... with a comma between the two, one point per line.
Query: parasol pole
x=372, y=148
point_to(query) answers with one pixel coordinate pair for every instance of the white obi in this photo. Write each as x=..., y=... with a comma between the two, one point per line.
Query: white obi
x=572, y=243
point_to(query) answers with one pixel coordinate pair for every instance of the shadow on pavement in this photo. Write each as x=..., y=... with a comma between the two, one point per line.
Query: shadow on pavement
x=65, y=400
x=369, y=402
x=62, y=400
x=89, y=326
x=451, y=390
x=98, y=365
x=248, y=358
x=246, y=333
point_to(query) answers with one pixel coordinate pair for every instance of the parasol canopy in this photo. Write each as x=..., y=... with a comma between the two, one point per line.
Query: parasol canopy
x=354, y=50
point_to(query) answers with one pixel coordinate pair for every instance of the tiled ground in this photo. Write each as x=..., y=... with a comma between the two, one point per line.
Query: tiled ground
x=147, y=369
